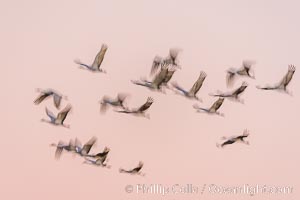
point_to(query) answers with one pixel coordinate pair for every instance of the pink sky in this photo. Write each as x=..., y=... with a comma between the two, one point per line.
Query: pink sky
x=40, y=40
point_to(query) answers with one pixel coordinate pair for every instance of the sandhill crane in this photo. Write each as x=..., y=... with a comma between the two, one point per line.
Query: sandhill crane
x=213, y=109
x=84, y=151
x=157, y=81
x=234, y=94
x=97, y=162
x=282, y=85
x=57, y=97
x=234, y=139
x=101, y=154
x=194, y=90
x=171, y=59
x=60, y=118
x=99, y=158
x=62, y=146
x=95, y=67
x=134, y=171
x=117, y=102
x=243, y=71
x=141, y=110
x=168, y=77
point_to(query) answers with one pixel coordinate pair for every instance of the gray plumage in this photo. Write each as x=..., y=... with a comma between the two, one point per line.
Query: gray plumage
x=234, y=139
x=96, y=65
x=57, y=97
x=141, y=110
x=282, y=85
x=243, y=71
x=134, y=171
x=213, y=109
x=60, y=118
x=84, y=151
x=192, y=93
x=119, y=101
x=62, y=146
x=235, y=94
x=171, y=59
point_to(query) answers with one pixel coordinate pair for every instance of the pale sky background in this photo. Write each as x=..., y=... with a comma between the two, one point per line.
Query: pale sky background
x=39, y=41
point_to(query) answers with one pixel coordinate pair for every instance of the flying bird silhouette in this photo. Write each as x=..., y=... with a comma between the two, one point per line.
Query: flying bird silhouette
x=234, y=94
x=101, y=155
x=95, y=67
x=97, y=162
x=117, y=102
x=157, y=82
x=243, y=71
x=84, y=151
x=134, y=171
x=282, y=85
x=168, y=77
x=99, y=158
x=141, y=110
x=192, y=93
x=171, y=59
x=213, y=109
x=62, y=146
x=60, y=118
x=57, y=97
x=234, y=139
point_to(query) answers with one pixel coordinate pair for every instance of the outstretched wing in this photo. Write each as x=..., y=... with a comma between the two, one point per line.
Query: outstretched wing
x=59, y=150
x=159, y=78
x=41, y=98
x=173, y=54
x=72, y=145
x=217, y=104
x=230, y=77
x=146, y=105
x=50, y=114
x=87, y=146
x=155, y=64
x=137, y=169
x=241, y=89
x=57, y=99
x=244, y=71
x=197, y=85
x=288, y=77
x=168, y=76
x=248, y=63
x=63, y=114
x=100, y=56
